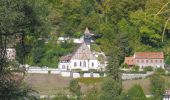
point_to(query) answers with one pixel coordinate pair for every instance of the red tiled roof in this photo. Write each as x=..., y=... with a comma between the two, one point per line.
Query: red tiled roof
x=66, y=57
x=129, y=61
x=149, y=55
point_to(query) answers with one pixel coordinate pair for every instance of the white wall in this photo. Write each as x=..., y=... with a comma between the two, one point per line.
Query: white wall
x=82, y=67
x=76, y=75
x=65, y=64
x=153, y=63
x=87, y=75
x=65, y=74
x=96, y=75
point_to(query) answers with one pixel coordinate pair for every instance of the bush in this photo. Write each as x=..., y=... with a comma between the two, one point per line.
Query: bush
x=160, y=71
x=157, y=86
x=148, y=68
x=136, y=92
x=135, y=68
x=124, y=65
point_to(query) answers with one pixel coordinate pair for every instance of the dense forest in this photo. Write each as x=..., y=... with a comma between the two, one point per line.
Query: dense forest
x=126, y=26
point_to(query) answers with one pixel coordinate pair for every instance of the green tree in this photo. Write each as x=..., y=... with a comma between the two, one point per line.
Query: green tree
x=93, y=94
x=135, y=93
x=111, y=89
x=157, y=86
x=18, y=20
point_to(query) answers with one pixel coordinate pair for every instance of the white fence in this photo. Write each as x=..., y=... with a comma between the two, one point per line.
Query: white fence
x=128, y=76
x=60, y=72
x=125, y=76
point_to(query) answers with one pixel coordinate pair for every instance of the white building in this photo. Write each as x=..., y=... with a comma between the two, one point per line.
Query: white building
x=82, y=58
x=143, y=59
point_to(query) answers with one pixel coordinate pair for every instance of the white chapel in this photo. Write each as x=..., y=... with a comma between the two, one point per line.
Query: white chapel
x=82, y=58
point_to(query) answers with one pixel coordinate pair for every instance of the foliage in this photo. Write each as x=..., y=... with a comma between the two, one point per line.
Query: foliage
x=157, y=86
x=18, y=20
x=167, y=60
x=135, y=68
x=93, y=94
x=75, y=88
x=128, y=26
x=160, y=71
x=113, y=66
x=89, y=80
x=111, y=89
x=124, y=65
x=148, y=68
x=135, y=93
x=95, y=47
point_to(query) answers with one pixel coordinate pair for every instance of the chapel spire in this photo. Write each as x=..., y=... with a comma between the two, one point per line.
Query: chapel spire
x=87, y=37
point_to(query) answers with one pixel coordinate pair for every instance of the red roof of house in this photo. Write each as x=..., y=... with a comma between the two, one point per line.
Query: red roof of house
x=129, y=60
x=149, y=55
x=66, y=57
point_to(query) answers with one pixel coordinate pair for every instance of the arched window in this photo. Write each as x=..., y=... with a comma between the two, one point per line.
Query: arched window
x=92, y=64
x=75, y=64
x=84, y=64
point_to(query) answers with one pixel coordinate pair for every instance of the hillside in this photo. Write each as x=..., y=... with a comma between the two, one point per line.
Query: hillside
x=123, y=26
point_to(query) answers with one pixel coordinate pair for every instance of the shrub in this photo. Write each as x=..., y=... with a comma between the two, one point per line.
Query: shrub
x=81, y=73
x=101, y=74
x=135, y=68
x=124, y=65
x=157, y=86
x=148, y=68
x=160, y=71
x=136, y=93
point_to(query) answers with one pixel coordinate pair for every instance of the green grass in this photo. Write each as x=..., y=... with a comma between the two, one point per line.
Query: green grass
x=48, y=84
x=89, y=80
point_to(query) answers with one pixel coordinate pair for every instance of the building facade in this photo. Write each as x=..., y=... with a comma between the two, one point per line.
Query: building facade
x=82, y=58
x=143, y=59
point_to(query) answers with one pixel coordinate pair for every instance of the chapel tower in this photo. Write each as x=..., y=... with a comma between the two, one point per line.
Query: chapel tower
x=87, y=37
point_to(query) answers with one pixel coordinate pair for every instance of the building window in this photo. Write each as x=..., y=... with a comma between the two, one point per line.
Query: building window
x=63, y=67
x=75, y=64
x=160, y=61
x=155, y=61
x=80, y=63
x=92, y=64
x=151, y=61
x=137, y=61
x=146, y=61
x=84, y=64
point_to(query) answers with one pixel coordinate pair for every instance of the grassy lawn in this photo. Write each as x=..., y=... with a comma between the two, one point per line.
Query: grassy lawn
x=48, y=84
